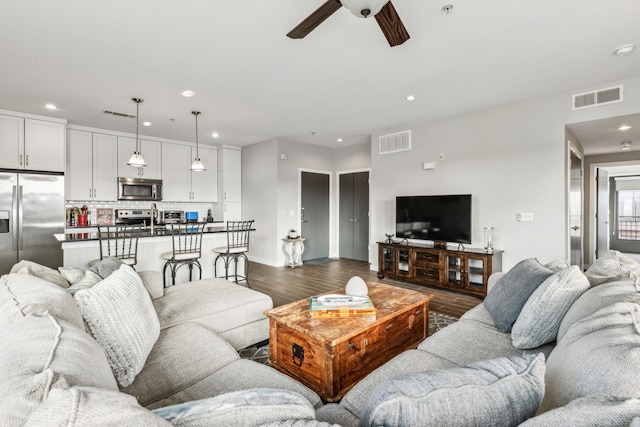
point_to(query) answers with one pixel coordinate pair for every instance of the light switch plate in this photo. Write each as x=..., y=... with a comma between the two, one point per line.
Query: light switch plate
x=524, y=216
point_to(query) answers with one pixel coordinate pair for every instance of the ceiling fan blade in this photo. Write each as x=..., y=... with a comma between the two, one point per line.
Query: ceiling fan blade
x=315, y=19
x=391, y=25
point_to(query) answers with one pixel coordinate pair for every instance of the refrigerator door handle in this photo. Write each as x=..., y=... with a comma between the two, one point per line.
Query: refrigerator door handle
x=14, y=219
x=20, y=219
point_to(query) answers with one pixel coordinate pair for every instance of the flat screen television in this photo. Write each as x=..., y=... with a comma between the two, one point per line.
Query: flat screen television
x=443, y=218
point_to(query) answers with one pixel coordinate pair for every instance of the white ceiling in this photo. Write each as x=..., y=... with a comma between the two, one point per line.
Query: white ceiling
x=253, y=83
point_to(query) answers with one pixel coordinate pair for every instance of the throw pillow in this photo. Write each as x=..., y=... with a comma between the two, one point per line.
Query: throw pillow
x=92, y=407
x=598, y=355
x=72, y=274
x=119, y=314
x=612, y=266
x=253, y=407
x=31, y=268
x=88, y=280
x=511, y=292
x=540, y=317
x=590, y=411
x=105, y=267
x=502, y=391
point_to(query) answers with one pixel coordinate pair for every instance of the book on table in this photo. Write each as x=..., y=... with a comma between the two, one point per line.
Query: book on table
x=335, y=305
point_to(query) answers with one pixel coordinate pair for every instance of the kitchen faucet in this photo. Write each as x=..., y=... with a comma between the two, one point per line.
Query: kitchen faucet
x=154, y=210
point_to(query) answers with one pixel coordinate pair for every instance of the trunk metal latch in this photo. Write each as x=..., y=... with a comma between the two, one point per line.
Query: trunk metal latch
x=298, y=353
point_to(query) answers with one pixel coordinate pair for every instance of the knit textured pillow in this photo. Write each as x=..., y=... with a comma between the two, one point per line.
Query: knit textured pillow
x=119, y=314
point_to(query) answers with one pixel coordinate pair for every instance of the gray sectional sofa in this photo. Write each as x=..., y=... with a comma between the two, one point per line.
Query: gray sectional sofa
x=549, y=346
x=94, y=348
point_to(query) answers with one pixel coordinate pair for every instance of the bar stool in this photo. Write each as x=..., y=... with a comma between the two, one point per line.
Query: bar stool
x=119, y=241
x=237, y=247
x=187, y=249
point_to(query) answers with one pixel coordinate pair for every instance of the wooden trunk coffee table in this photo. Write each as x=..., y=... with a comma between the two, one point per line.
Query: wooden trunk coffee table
x=330, y=355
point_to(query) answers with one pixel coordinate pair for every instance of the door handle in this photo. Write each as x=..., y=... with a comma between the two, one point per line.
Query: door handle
x=575, y=228
x=14, y=219
x=20, y=218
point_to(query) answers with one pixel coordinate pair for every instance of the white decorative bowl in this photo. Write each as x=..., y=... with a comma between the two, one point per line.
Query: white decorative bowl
x=356, y=287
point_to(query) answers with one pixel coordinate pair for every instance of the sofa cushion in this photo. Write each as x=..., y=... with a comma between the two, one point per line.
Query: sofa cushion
x=241, y=374
x=182, y=355
x=23, y=394
x=30, y=268
x=597, y=355
x=119, y=314
x=72, y=274
x=467, y=341
x=36, y=343
x=253, y=407
x=612, y=266
x=406, y=362
x=590, y=411
x=23, y=295
x=596, y=298
x=511, y=292
x=503, y=391
x=88, y=406
x=89, y=280
x=540, y=317
x=218, y=304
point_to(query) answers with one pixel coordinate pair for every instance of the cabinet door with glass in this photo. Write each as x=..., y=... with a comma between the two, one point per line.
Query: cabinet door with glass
x=394, y=260
x=468, y=272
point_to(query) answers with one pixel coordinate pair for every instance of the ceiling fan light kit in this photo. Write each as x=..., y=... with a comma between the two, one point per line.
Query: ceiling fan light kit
x=364, y=8
x=384, y=12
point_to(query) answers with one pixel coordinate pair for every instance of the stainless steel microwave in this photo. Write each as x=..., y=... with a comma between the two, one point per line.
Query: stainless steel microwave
x=139, y=189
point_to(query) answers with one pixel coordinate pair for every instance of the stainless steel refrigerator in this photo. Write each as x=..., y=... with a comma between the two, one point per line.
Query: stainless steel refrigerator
x=31, y=211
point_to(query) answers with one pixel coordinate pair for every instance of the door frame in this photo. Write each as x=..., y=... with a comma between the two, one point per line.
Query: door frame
x=332, y=241
x=573, y=150
x=337, y=228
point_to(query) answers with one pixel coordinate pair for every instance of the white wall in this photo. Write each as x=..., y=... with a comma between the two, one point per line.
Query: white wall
x=510, y=158
x=259, y=198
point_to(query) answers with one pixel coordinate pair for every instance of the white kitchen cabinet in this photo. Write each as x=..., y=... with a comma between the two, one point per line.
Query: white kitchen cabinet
x=182, y=185
x=230, y=164
x=91, y=166
x=232, y=211
x=32, y=144
x=152, y=153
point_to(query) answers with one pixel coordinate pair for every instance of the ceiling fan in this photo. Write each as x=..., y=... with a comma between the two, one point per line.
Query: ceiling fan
x=384, y=12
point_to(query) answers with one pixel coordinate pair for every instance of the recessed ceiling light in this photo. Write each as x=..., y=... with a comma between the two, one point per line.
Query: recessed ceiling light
x=625, y=50
x=146, y=123
x=410, y=98
x=50, y=107
x=188, y=93
x=215, y=135
x=625, y=145
x=624, y=127
x=447, y=8
x=339, y=140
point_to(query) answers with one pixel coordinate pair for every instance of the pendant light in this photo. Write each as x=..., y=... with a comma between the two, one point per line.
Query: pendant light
x=197, y=165
x=136, y=159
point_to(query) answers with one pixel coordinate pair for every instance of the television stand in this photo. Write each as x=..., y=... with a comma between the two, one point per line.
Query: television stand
x=463, y=270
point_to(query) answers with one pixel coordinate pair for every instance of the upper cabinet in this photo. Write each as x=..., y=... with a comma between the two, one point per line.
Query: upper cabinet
x=152, y=153
x=32, y=144
x=230, y=174
x=182, y=185
x=91, y=166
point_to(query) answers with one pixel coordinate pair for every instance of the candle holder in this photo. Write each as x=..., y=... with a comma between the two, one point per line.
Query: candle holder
x=488, y=239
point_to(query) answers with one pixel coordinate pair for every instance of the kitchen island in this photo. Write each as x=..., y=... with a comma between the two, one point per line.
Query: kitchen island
x=80, y=246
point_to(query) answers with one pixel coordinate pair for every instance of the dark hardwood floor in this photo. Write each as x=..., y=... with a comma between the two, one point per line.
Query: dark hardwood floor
x=285, y=285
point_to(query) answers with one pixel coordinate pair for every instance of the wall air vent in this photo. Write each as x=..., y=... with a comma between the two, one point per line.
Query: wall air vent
x=599, y=97
x=395, y=142
x=113, y=113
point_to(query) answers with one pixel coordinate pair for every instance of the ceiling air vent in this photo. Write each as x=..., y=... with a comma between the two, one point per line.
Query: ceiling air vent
x=600, y=97
x=395, y=142
x=113, y=113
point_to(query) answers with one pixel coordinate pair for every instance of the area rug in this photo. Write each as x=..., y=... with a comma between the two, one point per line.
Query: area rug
x=260, y=353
